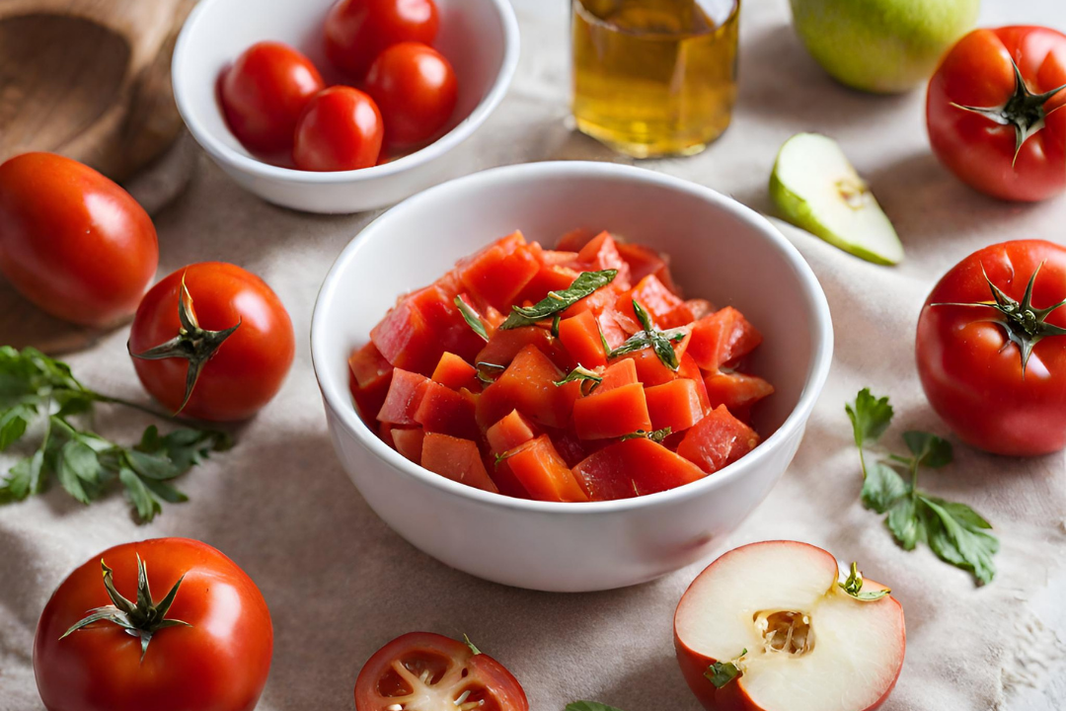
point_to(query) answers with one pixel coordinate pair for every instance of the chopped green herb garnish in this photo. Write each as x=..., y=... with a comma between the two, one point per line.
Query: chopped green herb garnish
x=853, y=586
x=662, y=342
x=558, y=301
x=472, y=318
x=589, y=379
x=654, y=435
x=722, y=673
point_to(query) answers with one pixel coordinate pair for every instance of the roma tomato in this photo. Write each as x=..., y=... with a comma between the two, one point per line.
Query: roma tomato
x=358, y=30
x=264, y=92
x=991, y=348
x=199, y=634
x=73, y=242
x=212, y=341
x=421, y=671
x=416, y=90
x=341, y=129
x=992, y=112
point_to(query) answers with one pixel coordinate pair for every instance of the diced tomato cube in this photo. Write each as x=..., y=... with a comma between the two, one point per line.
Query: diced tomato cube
x=686, y=313
x=498, y=275
x=619, y=373
x=723, y=337
x=717, y=440
x=455, y=373
x=368, y=365
x=505, y=345
x=550, y=277
x=505, y=479
x=690, y=370
x=602, y=253
x=611, y=328
x=385, y=433
x=422, y=326
x=580, y=335
x=404, y=396
x=553, y=257
x=408, y=442
x=457, y=459
x=446, y=411
x=675, y=405
x=369, y=399
x=616, y=412
x=574, y=240
x=528, y=385
x=736, y=391
x=633, y=467
x=543, y=473
x=506, y=244
x=650, y=293
x=512, y=430
x=644, y=261
x=569, y=447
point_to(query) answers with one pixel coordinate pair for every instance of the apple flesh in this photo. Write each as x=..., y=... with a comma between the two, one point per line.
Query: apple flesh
x=810, y=646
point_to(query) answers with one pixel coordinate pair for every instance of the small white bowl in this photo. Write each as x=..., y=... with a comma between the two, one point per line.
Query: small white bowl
x=479, y=38
x=720, y=250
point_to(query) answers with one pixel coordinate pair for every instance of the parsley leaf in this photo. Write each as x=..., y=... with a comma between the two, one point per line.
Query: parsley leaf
x=590, y=706
x=472, y=318
x=655, y=435
x=954, y=532
x=852, y=585
x=86, y=465
x=589, y=379
x=722, y=673
x=662, y=342
x=558, y=301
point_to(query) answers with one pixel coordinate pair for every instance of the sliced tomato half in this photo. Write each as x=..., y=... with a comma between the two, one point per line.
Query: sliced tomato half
x=422, y=671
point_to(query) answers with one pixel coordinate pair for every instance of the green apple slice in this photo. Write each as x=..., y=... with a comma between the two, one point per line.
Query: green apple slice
x=815, y=187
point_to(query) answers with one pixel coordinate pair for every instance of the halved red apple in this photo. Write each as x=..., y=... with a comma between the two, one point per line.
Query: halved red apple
x=775, y=626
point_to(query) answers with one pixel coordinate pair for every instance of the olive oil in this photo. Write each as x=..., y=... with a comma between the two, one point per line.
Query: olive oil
x=654, y=77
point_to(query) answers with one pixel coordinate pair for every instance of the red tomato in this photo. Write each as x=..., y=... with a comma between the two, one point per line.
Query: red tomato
x=73, y=242
x=264, y=92
x=415, y=88
x=217, y=661
x=341, y=129
x=240, y=336
x=422, y=671
x=978, y=112
x=972, y=357
x=358, y=30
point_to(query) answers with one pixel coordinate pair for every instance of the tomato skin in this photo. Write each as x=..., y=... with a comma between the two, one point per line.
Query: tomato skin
x=975, y=383
x=264, y=92
x=357, y=31
x=978, y=72
x=248, y=368
x=220, y=663
x=341, y=129
x=487, y=679
x=415, y=87
x=71, y=241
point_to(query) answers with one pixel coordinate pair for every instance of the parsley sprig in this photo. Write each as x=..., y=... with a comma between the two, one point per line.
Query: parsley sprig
x=558, y=301
x=662, y=342
x=36, y=387
x=954, y=532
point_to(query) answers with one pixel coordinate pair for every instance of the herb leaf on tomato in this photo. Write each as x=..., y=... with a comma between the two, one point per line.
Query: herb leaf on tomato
x=662, y=342
x=34, y=386
x=558, y=301
x=953, y=531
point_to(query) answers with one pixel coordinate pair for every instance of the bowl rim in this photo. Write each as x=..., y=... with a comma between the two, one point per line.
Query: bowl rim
x=248, y=164
x=338, y=400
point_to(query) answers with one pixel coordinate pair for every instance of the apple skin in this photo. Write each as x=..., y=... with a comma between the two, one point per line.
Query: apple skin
x=882, y=46
x=732, y=697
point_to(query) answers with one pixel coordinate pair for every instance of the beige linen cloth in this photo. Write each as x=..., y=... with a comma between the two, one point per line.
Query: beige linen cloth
x=340, y=583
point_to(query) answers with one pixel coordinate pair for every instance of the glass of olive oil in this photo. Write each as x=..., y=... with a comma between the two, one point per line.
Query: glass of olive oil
x=654, y=77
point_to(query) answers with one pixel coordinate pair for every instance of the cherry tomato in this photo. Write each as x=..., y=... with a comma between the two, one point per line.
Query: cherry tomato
x=340, y=130
x=416, y=91
x=264, y=92
x=991, y=112
x=224, y=325
x=358, y=30
x=217, y=661
x=422, y=671
x=73, y=242
x=992, y=351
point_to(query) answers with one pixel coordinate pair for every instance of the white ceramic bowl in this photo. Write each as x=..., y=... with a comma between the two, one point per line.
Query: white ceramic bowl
x=720, y=250
x=479, y=38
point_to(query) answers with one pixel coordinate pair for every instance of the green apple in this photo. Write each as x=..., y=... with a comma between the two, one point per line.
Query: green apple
x=882, y=46
x=815, y=187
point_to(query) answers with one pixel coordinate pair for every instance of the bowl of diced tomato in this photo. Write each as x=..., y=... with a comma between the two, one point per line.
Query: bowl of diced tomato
x=239, y=68
x=568, y=376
